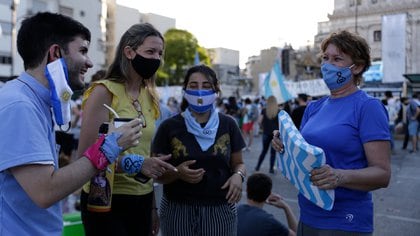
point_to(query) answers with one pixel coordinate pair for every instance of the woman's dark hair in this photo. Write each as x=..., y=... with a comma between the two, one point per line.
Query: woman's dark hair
x=208, y=73
x=37, y=33
x=232, y=106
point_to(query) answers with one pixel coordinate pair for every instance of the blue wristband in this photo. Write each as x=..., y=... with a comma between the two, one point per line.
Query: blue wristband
x=132, y=163
x=110, y=147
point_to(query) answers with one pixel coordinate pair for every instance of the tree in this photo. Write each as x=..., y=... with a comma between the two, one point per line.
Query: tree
x=180, y=48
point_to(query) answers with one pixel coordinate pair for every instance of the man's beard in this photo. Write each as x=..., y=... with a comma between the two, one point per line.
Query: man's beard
x=75, y=83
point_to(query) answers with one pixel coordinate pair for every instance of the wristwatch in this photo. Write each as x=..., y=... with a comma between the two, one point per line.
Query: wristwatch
x=241, y=174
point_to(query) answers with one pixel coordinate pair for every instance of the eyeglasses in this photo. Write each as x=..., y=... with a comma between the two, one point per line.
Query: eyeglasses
x=137, y=107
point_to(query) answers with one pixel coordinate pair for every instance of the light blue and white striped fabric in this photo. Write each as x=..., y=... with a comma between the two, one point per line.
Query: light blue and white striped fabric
x=298, y=160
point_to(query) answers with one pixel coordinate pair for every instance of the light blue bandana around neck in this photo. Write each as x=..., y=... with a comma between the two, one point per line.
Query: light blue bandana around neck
x=204, y=136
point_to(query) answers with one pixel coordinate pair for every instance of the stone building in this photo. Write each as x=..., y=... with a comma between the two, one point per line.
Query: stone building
x=368, y=19
x=365, y=17
x=91, y=13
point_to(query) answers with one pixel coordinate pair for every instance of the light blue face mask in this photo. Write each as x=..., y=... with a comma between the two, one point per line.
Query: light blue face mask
x=336, y=77
x=200, y=100
x=57, y=75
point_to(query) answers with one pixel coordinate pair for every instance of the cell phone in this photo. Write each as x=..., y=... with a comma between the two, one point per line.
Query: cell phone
x=141, y=178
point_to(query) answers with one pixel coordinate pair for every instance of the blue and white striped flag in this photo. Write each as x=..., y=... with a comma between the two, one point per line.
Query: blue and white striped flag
x=298, y=160
x=274, y=84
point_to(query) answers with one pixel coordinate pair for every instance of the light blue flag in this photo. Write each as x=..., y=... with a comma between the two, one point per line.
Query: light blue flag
x=298, y=160
x=196, y=58
x=274, y=84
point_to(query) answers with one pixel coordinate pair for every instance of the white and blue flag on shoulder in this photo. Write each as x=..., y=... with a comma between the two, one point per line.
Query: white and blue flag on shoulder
x=274, y=84
x=297, y=161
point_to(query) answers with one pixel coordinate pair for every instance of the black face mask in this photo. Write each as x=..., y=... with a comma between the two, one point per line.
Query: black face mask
x=145, y=67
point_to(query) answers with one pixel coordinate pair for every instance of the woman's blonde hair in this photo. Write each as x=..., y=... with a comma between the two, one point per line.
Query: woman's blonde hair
x=272, y=107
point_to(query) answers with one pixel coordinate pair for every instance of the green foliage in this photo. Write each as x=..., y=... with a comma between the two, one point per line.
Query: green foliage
x=162, y=78
x=180, y=48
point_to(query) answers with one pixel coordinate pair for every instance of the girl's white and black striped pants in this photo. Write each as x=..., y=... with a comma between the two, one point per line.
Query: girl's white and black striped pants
x=195, y=219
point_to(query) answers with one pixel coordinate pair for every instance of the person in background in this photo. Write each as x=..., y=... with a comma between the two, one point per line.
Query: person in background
x=248, y=123
x=297, y=113
x=220, y=105
x=76, y=123
x=413, y=117
x=392, y=116
x=257, y=109
x=287, y=107
x=402, y=118
x=253, y=220
x=393, y=106
x=32, y=184
x=352, y=129
x=129, y=88
x=206, y=147
x=269, y=122
x=232, y=109
x=65, y=140
x=173, y=105
x=263, y=102
x=391, y=100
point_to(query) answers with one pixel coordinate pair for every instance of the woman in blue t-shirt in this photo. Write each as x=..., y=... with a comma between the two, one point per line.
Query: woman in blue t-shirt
x=352, y=129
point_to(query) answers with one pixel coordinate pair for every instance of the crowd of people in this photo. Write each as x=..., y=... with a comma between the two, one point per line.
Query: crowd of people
x=192, y=147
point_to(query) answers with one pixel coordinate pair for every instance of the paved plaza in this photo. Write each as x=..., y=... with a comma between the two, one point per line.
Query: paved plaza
x=397, y=208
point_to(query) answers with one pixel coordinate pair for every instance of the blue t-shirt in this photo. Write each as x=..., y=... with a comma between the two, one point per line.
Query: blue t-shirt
x=340, y=127
x=255, y=221
x=27, y=137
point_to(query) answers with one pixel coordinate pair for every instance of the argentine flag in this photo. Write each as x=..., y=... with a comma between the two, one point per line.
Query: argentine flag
x=274, y=84
x=297, y=161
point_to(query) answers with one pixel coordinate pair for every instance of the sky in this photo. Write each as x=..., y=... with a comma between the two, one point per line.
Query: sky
x=247, y=26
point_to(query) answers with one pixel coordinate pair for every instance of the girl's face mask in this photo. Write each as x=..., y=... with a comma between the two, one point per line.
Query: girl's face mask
x=145, y=67
x=200, y=101
x=335, y=77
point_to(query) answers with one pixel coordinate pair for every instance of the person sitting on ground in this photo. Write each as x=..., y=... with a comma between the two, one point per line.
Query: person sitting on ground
x=253, y=220
x=297, y=113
